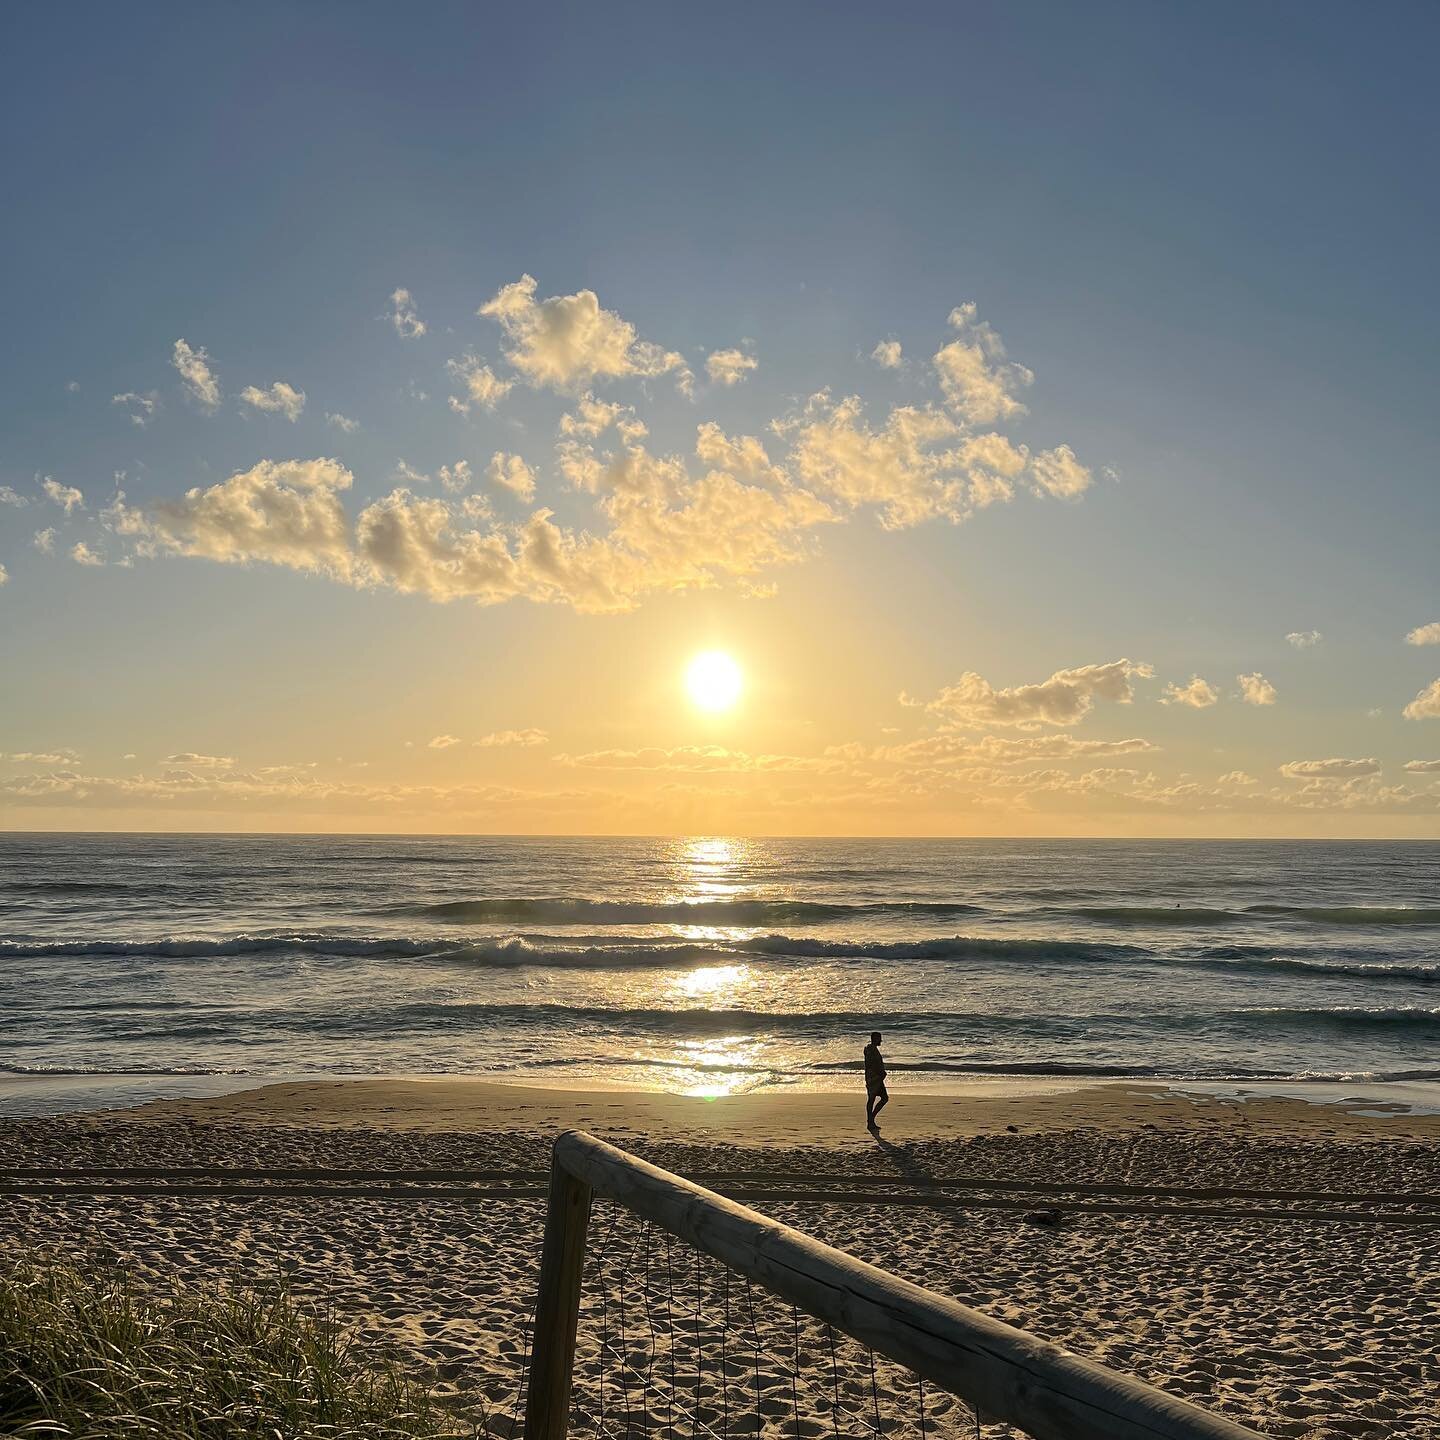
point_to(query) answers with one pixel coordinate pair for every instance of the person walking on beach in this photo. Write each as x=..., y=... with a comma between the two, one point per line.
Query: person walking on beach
x=877, y=1097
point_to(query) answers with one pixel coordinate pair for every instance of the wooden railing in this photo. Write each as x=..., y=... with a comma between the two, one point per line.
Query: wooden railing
x=1003, y=1373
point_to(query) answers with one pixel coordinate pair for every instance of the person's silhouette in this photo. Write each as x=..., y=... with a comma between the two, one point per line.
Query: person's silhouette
x=877, y=1097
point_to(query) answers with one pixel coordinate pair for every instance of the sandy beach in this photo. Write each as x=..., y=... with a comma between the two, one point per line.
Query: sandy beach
x=1286, y=1275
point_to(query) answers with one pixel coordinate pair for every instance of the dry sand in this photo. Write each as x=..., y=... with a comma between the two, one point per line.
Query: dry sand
x=1295, y=1325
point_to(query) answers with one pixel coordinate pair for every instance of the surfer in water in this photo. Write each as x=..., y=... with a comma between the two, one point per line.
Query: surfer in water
x=877, y=1097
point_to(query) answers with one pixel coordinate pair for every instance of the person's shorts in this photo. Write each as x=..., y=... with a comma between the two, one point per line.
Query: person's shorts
x=877, y=1092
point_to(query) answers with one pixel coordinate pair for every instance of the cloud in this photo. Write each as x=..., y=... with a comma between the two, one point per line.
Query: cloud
x=729, y=367
x=483, y=386
x=44, y=540
x=10, y=496
x=65, y=496
x=82, y=554
x=523, y=739
x=593, y=417
x=1067, y=696
x=649, y=522
x=141, y=408
x=196, y=376
x=42, y=757
x=1256, y=689
x=887, y=355
x=511, y=473
x=1059, y=473
x=1304, y=639
x=444, y=742
x=1333, y=769
x=408, y=324
x=1198, y=694
x=192, y=760
x=921, y=466
x=280, y=397
x=343, y=423
x=948, y=748
x=241, y=792
x=456, y=478
x=1423, y=767
x=701, y=758
x=569, y=341
x=1425, y=634
x=284, y=512
x=4, y=576
x=1426, y=705
x=1237, y=778
x=979, y=383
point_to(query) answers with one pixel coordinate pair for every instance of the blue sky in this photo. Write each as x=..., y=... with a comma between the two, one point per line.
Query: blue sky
x=1208, y=231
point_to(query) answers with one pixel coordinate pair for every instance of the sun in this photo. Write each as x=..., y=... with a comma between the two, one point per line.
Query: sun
x=713, y=680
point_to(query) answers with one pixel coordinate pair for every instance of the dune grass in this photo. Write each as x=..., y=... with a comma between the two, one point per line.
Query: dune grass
x=84, y=1352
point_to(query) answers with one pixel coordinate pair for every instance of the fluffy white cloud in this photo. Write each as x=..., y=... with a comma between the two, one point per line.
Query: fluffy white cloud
x=1059, y=473
x=408, y=324
x=444, y=742
x=483, y=387
x=1256, y=689
x=651, y=523
x=521, y=739
x=1198, y=694
x=592, y=417
x=511, y=473
x=457, y=477
x=1067, y=696
x=342, y=423
x=9, y=496
x=1423, y=767
x=729, y=367
x=82, y=554
x=978, y=381
x=285, y=512
x=568, y=341
x=279, y=398
x=1332, y=769
x=42, y=757
x=887, y=355
x=44, y=540
x=1426, y=705
x=194, y=760
x=196, y=376
x=1304, y=639
x=1425, y=634
x=921, y=466
x=4, y=576
x=141, y=408
x=65, y=496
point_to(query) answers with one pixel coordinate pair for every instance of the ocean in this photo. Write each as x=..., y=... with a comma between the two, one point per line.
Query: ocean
x=712, y=965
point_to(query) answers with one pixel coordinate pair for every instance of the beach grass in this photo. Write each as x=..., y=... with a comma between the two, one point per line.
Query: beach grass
x=86, y=1352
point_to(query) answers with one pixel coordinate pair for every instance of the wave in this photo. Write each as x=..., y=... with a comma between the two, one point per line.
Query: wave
x=1342, y=1017
x=103, y=1070
x=622, y=952
x=1204, y=915
x=1352, y=914
x=562, y=911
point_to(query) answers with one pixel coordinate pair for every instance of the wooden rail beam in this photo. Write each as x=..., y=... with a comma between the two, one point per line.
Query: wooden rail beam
x=1003, y=1372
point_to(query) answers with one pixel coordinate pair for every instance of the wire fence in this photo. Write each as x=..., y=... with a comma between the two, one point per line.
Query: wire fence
x=675, y=1345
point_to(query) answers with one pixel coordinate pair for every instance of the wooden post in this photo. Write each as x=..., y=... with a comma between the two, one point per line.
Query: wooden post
x=557, y=1310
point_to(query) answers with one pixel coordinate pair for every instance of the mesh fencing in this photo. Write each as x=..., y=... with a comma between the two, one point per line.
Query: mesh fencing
x=675, y=1345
